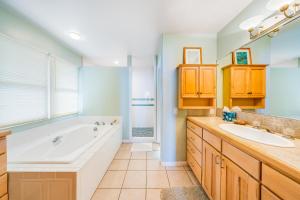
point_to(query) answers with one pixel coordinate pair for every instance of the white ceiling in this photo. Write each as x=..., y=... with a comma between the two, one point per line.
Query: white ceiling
x=113, y=29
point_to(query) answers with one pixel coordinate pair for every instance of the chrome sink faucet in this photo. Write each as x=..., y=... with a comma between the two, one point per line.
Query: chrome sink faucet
x=256, y=124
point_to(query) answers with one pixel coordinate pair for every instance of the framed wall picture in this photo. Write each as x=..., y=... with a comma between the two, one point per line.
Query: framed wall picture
x=192, y=55
x=242, y=56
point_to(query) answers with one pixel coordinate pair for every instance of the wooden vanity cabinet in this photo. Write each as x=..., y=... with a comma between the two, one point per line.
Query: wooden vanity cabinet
x=228, y=173
x=211, y=178
x=197, y=86
x=244, y=86
x=3, y=168
x=279, y=184
x=236, y=184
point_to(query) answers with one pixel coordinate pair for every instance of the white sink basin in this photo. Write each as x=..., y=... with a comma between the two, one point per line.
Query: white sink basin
x=257, y=135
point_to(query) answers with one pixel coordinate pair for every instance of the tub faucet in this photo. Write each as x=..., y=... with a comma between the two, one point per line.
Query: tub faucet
x=113, y=122
x=102, y=123
x=57, y=139
x=95, y=129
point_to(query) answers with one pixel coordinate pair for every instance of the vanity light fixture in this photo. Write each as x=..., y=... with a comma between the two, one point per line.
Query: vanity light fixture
x=287, y=7
x=74, y=35
x=284, y=12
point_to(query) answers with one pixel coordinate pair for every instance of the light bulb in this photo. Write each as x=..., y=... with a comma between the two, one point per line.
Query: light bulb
x=274, y=5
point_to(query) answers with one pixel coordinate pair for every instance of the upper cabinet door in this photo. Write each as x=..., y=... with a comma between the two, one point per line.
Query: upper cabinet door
x=240, y=82
x=190, y=82
x=237, y=184
x=257, y=81
x=207, y=82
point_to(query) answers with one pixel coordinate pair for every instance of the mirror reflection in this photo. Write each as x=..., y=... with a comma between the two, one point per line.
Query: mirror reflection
x=280, y=53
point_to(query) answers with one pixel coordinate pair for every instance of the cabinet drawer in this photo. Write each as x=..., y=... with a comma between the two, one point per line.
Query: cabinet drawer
x=3, y=185
x=2, y=146
x=194, y=166
x=248, y=163
x=195, y=153
x=196, y=129
x=267, y=194
x=281, y=185
x=194, y=139
x=212, y=139
x=2, y=164
x=5, y=197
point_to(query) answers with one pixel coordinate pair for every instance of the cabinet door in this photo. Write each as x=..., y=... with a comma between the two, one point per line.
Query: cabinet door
x=236, y=184
x=211, y=177
x=207, y=82
x=189, y=82
x=267, y=194
x=239, y=82
x=257, y=81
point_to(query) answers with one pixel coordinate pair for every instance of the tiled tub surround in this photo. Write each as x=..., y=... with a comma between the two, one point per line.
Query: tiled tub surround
x=53, y=178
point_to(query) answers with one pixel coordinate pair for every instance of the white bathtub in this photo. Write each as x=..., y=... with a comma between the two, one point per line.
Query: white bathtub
x=82, y=147
x=71, y=143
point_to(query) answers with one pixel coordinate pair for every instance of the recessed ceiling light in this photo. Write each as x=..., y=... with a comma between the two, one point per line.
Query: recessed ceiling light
x=116, y=62
x=74, y=35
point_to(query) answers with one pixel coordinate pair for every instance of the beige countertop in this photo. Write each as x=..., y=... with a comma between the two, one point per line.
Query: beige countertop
x=285, y=160
x=4, y=133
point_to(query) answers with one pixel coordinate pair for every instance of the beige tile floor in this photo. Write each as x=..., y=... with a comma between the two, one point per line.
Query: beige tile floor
x=140, y=176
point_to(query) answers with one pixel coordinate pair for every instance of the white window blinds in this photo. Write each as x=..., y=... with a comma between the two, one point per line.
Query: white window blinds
x=65, y=91
x=23, y=83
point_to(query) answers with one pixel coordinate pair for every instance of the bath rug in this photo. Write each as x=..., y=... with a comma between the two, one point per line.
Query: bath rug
x=141, y=147
x=183, y=193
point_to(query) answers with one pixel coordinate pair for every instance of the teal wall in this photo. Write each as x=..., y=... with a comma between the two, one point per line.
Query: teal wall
x=105, y=91
x=18, y=27
x=284, y=93
x=173, y=143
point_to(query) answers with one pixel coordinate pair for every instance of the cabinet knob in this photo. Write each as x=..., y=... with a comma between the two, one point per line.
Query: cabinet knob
x=249, y=92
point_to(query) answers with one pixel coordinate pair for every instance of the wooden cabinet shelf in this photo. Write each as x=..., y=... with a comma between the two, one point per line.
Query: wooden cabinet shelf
x=197, y=86
x=244, y=86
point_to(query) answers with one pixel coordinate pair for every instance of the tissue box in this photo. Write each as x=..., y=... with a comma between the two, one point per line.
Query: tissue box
x=229, y=116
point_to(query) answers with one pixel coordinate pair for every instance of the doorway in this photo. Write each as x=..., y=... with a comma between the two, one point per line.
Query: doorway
x=143, y=100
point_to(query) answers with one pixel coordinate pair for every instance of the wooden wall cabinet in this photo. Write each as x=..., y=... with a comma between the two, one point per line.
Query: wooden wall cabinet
x=197, y=86
x=244, y=86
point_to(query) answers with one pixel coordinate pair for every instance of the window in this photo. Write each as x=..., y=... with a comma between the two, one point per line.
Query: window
x=31, y=88
x=65, y=91
x=23, y=83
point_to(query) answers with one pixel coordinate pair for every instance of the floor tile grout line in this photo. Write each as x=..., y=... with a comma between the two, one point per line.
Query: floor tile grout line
x=124, y=179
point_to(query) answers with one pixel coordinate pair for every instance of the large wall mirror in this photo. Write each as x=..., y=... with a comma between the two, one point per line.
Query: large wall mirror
x=280, y=51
